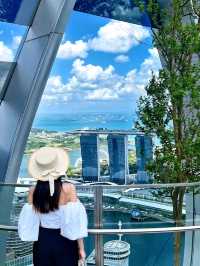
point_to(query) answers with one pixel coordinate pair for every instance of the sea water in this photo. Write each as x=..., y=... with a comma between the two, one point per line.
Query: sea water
x=70, y=122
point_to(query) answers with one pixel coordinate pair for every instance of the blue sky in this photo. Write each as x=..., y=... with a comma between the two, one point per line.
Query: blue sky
x=10, y=38
x=102, y=65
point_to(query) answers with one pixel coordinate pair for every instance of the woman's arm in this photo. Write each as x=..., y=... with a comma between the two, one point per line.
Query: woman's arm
x=30, y=195
x=70, y=192
x=71, y=196
x=81, y=249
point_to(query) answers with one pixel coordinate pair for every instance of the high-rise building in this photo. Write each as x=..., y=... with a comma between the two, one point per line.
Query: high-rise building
x=116, y=253
x=144, y=154
x=118, y=158
x=90, y=157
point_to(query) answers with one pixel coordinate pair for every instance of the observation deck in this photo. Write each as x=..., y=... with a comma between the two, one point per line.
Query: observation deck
x=104, y=215
x=22, y=82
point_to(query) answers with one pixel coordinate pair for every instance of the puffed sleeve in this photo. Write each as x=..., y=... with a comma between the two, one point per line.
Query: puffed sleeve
x=28, y=224
x=74, y=221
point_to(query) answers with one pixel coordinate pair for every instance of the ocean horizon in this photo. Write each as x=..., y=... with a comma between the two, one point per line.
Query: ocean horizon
x=70, y=121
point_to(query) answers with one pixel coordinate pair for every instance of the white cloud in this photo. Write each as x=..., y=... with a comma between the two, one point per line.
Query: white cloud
x=114, y=37
x=154, y=53
x=54, y=84
x=16, y=41
x=118, y=37
x=102, y=94
x=121, y=58
x=6, y=53
x=49, y=98
x=94, y=83
x=56, y=91
x=69, y=50
x=90, y=73
x=152, y=63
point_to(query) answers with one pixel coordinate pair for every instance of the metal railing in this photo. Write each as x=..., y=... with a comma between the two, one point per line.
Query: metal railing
x=10, y=228
x=98, y=231
x=142, y=186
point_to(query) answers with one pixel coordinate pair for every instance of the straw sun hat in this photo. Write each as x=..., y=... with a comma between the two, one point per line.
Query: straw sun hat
x=48, y=164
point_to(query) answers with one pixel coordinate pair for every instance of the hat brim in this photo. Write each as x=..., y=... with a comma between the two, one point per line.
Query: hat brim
x=61, y=165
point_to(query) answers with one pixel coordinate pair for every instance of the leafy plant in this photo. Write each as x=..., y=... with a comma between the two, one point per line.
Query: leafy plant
x=171, y=107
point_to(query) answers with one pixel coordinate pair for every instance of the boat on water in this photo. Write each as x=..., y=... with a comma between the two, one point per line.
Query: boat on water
x=137, y=214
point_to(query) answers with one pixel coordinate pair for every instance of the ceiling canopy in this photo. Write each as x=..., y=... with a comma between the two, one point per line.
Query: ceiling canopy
x=22, y=11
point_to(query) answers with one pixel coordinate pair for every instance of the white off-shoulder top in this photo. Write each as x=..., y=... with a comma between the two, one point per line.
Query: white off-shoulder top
x=71, y=219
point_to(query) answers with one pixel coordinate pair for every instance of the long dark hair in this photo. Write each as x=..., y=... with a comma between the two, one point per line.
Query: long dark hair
x=43, y=202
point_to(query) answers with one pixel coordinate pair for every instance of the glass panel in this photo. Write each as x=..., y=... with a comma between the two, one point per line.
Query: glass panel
x=18, y=11
x=11, y=37
x=89, y=103
x=21, y=261
x=5, y=71
x=145, y=207
x=86, y=195
x=115, y=9
x=19, y=253
x=16, y=250
x=118, y=250
x=124, y=10
x=135, y=250
x=122, y=208
x=135, y=208
x=10, y=40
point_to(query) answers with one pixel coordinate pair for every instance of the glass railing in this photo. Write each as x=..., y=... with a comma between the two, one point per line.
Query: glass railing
x=128, y=225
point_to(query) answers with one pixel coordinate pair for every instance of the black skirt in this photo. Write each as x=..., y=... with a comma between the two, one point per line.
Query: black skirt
x=52, y=249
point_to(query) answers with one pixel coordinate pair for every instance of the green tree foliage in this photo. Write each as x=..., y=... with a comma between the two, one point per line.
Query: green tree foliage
x=196, y=8
x=171, y=107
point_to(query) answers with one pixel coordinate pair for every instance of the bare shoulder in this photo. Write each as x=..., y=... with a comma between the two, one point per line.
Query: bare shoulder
x=70, y=191
x=30, y=194
x=67, y=187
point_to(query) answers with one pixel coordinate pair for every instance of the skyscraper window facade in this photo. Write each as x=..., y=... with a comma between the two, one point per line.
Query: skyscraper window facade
x=90, y=157
x=118, y=158
x=144, y=154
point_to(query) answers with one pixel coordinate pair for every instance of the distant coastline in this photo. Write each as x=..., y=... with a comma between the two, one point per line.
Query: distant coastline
x=39, y=138
x=50, y=130
x=69, y=122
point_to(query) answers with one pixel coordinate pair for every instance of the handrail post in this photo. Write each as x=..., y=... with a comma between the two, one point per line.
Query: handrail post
x=98, y=214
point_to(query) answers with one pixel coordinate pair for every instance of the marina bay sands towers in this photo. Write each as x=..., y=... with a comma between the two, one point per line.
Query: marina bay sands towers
x=90, y=157
x=118, y=158
x=144, y=154
x=118, y=149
